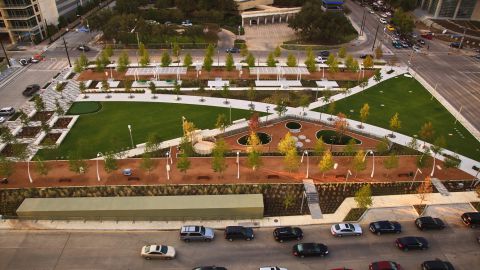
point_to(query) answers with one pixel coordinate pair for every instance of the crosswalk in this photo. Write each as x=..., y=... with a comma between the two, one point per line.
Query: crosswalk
x=49, y=64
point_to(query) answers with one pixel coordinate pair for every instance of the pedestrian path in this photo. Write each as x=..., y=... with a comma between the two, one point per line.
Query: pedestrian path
x=440, y=187
x=312, y=199
x=50, y=64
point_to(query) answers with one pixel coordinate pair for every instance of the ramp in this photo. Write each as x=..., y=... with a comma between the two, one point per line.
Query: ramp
x=312, y=199
x=440, y=187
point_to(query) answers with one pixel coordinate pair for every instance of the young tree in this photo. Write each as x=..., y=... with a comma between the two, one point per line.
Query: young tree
x=355, y=66
x=187, y=60
x=210, y=50
x=271, y=60
x=58, y=108
x=303, y=102
x=378, y=52
x=123, y=62
x=254, y=122
x=291, y=160
x=332, y=63
x=39, y=104
x=105, y=86
x=349, y=62
x=320, y=146
x=244, y=50
x=331, y=110
x=183, y=163
x=141, y=48
x=368, y=62
x=83, y=89
x=351, y=147
x=250, y=60
x=395, y=124
x=177, y=89
x=147, y=164
x=153, y=142
x=226, y=93
x=377, y=76
x=424, y=188
x=229, y=62
x=452, y=161
x=77, y=68
x=41, y=167
x=291, y=60
x=383, y=145
x=208, y=62
x=359, y=163
x=59, y=87
x=251, y=94
x=152, y=87
x=342, y=52
x=310, y=61
x=438, y=145
x=391, y=162
x=111, y=163
x=218, y=163
x=145, y=59
x=426, y=132
x=222, y=122
x=166, y=59
x=76, y=163
x=364, y=112
x=422, y=160
x=363, y=197
x=176, y=50
x=280, y=108
x=326, y=163
x=24, y=119
x=403, y=21
x=341, y=125
x=277, y=52
x=6, y=135
x=108, y=50
x=83, y=61
x=254, y=160
x=99, y=66
x=286, y=144
x=6, y=167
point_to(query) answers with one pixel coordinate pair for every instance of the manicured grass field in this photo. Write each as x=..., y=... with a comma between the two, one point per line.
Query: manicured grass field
x=415, y=107
x=85, y=107
x=106, y=130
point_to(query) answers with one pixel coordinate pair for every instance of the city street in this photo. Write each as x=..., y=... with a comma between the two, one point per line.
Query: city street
x=121, y=249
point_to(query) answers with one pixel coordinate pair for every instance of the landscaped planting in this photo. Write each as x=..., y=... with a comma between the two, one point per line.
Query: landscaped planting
x=333, y=137
x=42, y=116
x=264, y=138
x=62, y=122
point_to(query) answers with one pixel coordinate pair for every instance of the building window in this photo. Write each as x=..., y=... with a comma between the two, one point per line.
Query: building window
x=447, y=8
x=433, y=7
x=466, y=9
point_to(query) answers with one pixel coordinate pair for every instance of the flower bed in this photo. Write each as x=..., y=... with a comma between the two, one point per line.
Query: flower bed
x=42, y=116
x=28, y=132
x=354, y=214
x=50, y=138
x=9, y=149
x=62, y=122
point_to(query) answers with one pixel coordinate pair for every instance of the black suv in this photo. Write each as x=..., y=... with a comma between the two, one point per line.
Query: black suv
x=238, y=232
x=385, y=226
x=429, y=223
x=310, y=250
x=287, y=233
x=437, y=265
x=30, y=90
x=213, y=267
x=471, y=219
x=412, y=242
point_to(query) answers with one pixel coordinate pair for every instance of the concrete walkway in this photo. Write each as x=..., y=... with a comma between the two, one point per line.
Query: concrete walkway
x=391, y=201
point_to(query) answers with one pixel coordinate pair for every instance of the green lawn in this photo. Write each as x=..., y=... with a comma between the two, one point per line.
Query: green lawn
x=107, y=130
x=415, y=107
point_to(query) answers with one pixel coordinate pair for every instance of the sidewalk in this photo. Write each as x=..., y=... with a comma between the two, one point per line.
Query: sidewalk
x=391, y=201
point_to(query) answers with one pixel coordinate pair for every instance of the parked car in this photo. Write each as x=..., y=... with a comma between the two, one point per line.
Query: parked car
x=385, y=226
x=457, y=45
x=320, y=59
x=287, y=233
x=196, y=233
x=213, y=267
x=30, y=90
x=2, y=119
x=437, y=265
x=238, y=232
x=158, y=252
x=390, y=27
x=397, y=45
x=36, y=58
x=384, y=15
x=429, y=223
x=416, y=48
x=385, y=265
x=411, y=242
x=471, y=219
x=310, y=250
x=83, y=48
x=272, y=268
x=187, y=23
x=388, y=13
x=346, y=229
x=232, y=50
x=421, y=41
x=7, y=111
x=343, y=268
x=478, y=239
x=382, y=20
x=167, y=23
x=24, y=61
x=127, y=172
x=324, y=53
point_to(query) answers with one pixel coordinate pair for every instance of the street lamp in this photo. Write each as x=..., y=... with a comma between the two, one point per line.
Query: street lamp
x=415, y=176
x=99, y=154
x=308, y=162
x=238, y=165
x=268, y=108
x=131, y=138
x=28, y=171
x=373, y=163
x=167, y=166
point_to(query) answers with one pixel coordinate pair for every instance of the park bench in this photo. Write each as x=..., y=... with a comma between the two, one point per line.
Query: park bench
x=203, y=177
x=61, y=180
x=133, y=178
x=273, y=176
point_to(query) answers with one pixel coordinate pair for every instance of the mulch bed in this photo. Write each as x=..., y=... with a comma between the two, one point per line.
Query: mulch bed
x=50, y=137
x=420, y=208
x=42, y=116
x=476, y=205
x=28, y=132
x=7, y=151
x=354, y=214
x=62, y=122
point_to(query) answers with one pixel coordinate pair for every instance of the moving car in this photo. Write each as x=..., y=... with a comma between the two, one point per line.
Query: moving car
x=187, y=23
x=385, y=226
x=310, y=250
x=36, y=58
x=238, y=232
x=196, y=233
x=411, y=242
x=287, y=233
x=232, y=50
x=7, y=111
x=158, y=252
x=213, y=267
x=382, y=20
x=390, y=27
x=437, y=265
x=385, y=265
x=83, y=48
x=471, y=219
x=346, y=229
x=429, y=223
x=272, y=268
x=30, y=90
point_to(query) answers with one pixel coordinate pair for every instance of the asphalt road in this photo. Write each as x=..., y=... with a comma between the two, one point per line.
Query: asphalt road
x=120, y=250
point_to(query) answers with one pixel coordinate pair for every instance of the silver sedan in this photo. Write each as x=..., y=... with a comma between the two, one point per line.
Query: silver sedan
x=346, y=229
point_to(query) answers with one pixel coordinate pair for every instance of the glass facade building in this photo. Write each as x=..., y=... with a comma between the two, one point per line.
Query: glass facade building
x=450, y=9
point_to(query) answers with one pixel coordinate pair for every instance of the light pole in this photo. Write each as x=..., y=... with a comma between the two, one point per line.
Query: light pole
x=268, y=108
x=308, y=162
x=433, y=167
x=99, y=154
x=131, y=138
x=373, y=163
x=238, y=165
x=230, y=114
x=167, y=166
x=28, y=171
x=415, y=176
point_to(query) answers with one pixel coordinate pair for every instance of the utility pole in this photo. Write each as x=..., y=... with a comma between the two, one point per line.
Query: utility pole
x=5, y=52
x=375, y=39
x=66, y=50
x=364, y=17
x=463, y=37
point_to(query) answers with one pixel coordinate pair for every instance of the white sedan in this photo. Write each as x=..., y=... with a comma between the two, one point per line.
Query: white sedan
x=272, y=268
x=346, y=229
x=2, y=119
x=382, y=20
x=158, y=252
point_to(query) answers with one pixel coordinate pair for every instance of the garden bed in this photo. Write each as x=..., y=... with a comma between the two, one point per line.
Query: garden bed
x=263, y=137
x=419, y=208
x=28, y=132
x=332, y=137
x=9, y=149
x=50, y=138
x=42, y=116
x=354, y=214
x=62, y=122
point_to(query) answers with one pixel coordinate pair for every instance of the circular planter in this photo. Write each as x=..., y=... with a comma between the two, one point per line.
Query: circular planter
x=293, y=127
x=332, y=137
x=264, y=138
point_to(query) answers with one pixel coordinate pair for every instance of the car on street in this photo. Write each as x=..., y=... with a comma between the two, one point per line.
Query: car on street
x=36, y=58
x=272, y=268
x=385, y=226
x=232, y=50
x=2, y=119
x=471, y=219
x=187, y=23
x=213, y=267
x=385, y=265
x=416, y=48
x=437, y=265
x=158, y=252
x=477, y=56
x=429, y=223
x=478, y=239
x=388, y=13
x=310, y=250
x=238, y=232
x=382, y=20
x=30, y=90
x=421, y=41
x=411, y=242
x=287, y=233
x=83, y=48
x=24, y=61
x=320, y=59
x=397, y=45
x=390, y=27
x=324, y=53
x=346, y=229
x=7, y=111
x=457, y=45
x=196, y=233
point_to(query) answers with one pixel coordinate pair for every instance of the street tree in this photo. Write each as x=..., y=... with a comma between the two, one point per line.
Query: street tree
x=222, y=122
x=359, y=163
x=364, y=112
x=41, y=167
x=303, y=102
x=286, y=144
x=229, y=62
x=183, y=163
x=250, y=60
x=342, y=52
x=76, y=163
x=254, y=160
x=147, y=164
x=349, y=62
x=277, y=52
x=291, y=160
x=219, y=164
x=320, y=146
x=208, y=62
x=141, y=48
x=177, y=89
x=83, y=61
x=395, y=124
x=341, y=125
x=368, y=62
x=291, y=60
x=271, y=60
x=187, y=60
x=378, y=52
x=145, y=59
x=363, y=197
x=152, y=87
x=108, y=50
x=331, y=109
x=39, y=104
x=111, y=163
x=226, y=93
x=128, y=87
x=166, y=59
x=427, y=132
x=77, y=68
x=424, y=189
x=310, y=60
x=403, y=21
x=244, y=50
x=326, y=163
x=210, y=50
x=176, y=50
x=123, y=62
x=377, y=76
x=390, y=162
x=251, y=94
x=332, y=63
x=6, y=167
